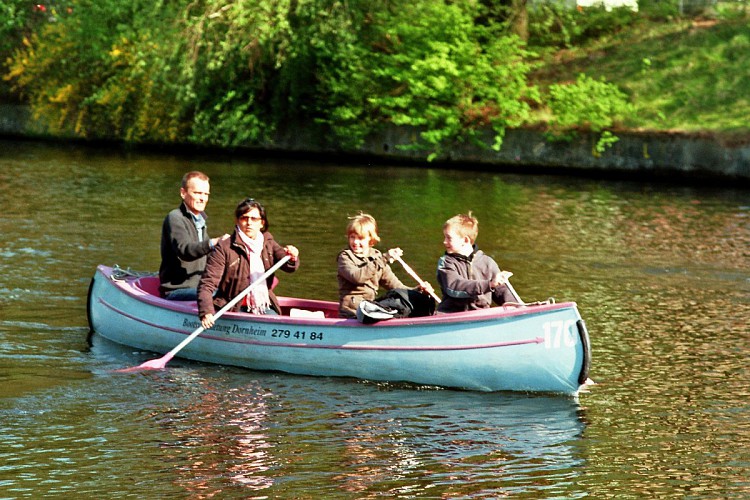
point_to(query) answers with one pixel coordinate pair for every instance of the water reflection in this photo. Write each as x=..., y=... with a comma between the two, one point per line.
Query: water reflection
x=473, y=445
x=368, y=439
x=232, y=441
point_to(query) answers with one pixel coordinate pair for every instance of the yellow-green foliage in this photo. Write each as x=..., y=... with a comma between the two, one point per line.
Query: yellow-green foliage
x=232, y=73
x=587, y=103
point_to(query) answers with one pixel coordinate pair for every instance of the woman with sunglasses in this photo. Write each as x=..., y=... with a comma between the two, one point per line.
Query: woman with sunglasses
x=240, y=260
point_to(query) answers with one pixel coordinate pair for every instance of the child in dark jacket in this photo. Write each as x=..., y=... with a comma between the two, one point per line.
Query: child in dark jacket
x=468, y=278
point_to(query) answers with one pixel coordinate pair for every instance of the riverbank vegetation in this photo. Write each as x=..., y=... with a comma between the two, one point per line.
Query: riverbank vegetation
x=238, y=73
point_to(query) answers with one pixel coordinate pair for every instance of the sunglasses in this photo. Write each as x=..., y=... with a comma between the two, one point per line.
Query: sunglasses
x=248, y=218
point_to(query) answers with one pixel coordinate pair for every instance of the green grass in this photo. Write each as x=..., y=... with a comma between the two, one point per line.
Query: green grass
x=687, y=76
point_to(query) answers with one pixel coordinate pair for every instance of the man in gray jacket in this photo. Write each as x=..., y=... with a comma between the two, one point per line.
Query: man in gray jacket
x=184, y=240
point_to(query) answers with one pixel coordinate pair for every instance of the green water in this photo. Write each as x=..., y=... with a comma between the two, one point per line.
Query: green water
x=661, y=274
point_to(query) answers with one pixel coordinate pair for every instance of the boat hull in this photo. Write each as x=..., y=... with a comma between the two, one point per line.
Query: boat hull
x=541, y=348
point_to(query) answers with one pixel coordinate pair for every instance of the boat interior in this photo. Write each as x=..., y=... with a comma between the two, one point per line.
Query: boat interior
x=293, y=307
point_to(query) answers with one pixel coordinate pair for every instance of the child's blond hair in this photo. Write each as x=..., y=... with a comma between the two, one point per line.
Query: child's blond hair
x=364, y=226
x=464, y=225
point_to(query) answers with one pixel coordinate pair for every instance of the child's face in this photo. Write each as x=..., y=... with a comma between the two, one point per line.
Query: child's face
x=360, y=245
x=455, y=243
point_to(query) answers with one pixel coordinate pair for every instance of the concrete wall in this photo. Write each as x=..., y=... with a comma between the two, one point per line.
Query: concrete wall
x=686, y=157
x=636, y=154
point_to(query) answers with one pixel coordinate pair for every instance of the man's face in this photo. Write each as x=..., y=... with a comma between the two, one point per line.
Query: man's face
x=195, y=195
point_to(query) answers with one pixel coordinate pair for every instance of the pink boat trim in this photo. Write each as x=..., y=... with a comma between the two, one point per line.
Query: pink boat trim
x=132, y=288
x=535, y=340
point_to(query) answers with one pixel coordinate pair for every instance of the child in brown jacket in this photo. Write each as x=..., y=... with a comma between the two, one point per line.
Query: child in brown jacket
x=363, y=269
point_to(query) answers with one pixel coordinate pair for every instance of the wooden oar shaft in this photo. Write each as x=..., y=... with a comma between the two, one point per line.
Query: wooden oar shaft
x=513, y=292
x=230, y=304
x=416, y=277
x=160, y=363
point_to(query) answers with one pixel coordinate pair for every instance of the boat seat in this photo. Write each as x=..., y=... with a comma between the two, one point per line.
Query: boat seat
x=149, y=284
x=304, y=313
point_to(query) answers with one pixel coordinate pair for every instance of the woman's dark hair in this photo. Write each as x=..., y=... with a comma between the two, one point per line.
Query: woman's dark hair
x=248, y=204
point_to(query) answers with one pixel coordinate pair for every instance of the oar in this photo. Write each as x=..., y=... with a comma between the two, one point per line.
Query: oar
x=416, y=277
x=510, y=287
x=161, y=363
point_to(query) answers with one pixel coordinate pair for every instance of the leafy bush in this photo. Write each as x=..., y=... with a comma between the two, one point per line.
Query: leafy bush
x=18, y=18
x=659, y=10
x=586, y=104
x=14, y=17
x=438, y=71
x=93, y=72
x=232, y=74
x=737, y=47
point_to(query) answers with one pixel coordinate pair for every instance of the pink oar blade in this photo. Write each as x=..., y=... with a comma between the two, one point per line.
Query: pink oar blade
x=154, y=364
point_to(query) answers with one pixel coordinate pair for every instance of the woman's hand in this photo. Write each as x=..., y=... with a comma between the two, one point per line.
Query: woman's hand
x=207, y=321
x=292, y=252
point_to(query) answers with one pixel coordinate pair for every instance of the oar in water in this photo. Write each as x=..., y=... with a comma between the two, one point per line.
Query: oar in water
x=161, y=363
x=416, y=277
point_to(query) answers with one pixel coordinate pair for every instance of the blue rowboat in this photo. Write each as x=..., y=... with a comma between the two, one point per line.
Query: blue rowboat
x=534, y=348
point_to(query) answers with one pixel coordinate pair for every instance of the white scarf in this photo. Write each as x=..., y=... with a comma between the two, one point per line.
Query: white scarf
x=257, y=300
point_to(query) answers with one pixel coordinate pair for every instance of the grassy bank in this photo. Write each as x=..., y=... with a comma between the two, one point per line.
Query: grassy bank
x=682, y=76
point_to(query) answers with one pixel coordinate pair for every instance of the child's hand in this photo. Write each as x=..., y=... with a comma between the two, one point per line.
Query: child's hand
x=426, y=287
x=500, y=278
x=395, y=254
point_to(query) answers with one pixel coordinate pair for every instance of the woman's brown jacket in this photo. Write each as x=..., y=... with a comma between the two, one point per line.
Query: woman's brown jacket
x=227, y=273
